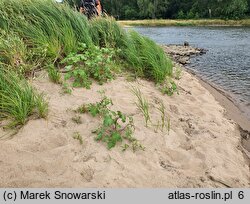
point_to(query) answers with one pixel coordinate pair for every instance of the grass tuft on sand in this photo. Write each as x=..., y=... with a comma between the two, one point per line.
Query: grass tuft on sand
x=18, y=100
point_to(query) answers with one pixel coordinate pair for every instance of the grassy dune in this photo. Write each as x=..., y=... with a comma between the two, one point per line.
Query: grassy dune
x=43, y=35
x=200, y=22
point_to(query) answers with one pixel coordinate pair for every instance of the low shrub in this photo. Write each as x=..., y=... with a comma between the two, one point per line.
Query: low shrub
x=94, y=62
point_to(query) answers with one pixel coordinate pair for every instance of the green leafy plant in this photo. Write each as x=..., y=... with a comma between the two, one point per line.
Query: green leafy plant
x=168, y=87
x=142, y=104
x=66, y=89
x=94, y=62
x=115, y=128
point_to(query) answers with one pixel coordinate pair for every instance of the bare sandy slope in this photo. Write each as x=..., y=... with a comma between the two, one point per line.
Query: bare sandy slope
x=202, y=149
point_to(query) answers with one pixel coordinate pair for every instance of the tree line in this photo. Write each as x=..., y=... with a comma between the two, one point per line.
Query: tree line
x=176, y=9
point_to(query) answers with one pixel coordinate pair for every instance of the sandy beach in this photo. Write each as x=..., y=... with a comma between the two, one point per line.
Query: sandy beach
x=202, y=149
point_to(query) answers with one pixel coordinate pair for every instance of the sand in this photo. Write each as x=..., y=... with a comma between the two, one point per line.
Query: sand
x=202, y=149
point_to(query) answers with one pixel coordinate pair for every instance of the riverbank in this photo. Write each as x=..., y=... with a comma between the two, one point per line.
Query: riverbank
x=194, y=153
x=200, y=22
x=181, y=55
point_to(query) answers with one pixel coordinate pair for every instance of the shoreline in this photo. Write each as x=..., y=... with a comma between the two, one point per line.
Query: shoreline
x=233, y=111
x=189, y=22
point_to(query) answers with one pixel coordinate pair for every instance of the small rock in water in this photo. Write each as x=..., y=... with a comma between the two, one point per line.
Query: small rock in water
x=186, y=44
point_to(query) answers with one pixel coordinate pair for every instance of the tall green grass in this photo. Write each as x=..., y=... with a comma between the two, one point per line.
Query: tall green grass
x=146, y=58
x=18, y=100
x=15, y=53
x=43, y=23
x=53, y=31
x=143, y=55
x=106, y=32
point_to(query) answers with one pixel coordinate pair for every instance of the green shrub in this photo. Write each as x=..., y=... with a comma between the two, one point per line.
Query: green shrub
x=18, y=100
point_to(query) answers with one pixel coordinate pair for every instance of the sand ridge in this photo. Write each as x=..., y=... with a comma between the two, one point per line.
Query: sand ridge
x=202, y=148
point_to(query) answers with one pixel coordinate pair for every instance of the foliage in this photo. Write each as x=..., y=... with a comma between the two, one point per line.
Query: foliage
x=165, y=120
x=77, y=136
x=168, y=87
x=47, y=32
x=182, y=9
x=77, y=119
x=46, y=25
x=146, y=58
x=106, y=32
x=54, y=74
x=66, y=89
x=115, y=128
x=89, y=63
x=177, y=72
x=19, y=100
x=15, y=53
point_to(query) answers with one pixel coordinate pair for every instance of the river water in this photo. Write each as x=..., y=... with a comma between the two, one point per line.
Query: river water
x=227, y=62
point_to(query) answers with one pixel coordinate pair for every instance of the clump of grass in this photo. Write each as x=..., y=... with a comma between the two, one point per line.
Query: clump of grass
x=106, y=32
x=77, y=119
x=146, y=58
x=168, y=86
x=43, y=23
x=54, y=31
x=77, y=136
x=177, y=73
x=142, y=104
x=66, y=89
x=165, y=120
x=18, y=100
x=161, y=108
x=54, y=74
x=15, y=53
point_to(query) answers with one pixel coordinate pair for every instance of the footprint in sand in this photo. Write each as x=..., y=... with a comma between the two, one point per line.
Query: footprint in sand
x=87, y=174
